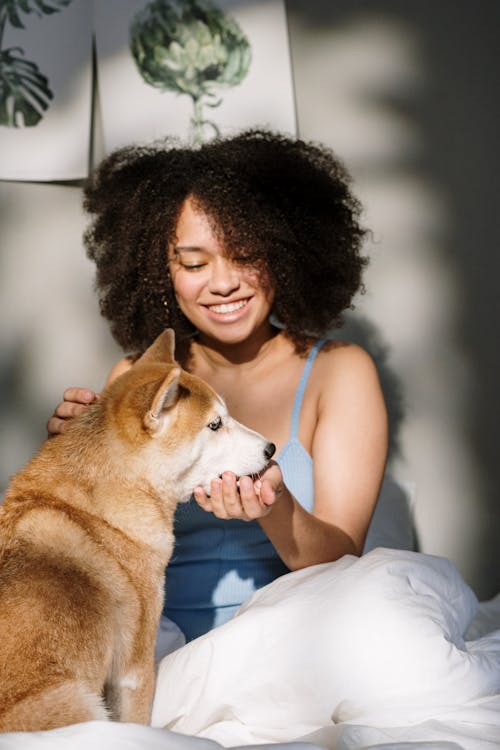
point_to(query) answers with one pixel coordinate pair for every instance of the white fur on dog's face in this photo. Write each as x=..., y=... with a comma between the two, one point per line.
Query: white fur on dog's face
x=225, y=445
x=193, y=440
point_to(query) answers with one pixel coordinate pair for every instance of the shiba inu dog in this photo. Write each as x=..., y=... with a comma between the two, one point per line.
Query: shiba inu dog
x=86, y=533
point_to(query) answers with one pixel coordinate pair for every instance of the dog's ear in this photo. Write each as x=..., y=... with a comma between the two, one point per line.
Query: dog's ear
x=162, y=349
x=165, y=398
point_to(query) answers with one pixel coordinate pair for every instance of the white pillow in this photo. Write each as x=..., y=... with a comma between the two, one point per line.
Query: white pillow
x=371, y=639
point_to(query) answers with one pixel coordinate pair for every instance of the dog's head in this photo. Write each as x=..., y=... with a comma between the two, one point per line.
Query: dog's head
x=177, y=427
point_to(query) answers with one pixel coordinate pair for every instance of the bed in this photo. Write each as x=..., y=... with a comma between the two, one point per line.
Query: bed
x=390, y=651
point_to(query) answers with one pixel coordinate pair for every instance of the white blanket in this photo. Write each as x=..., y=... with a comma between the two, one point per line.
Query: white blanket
x=356, y=654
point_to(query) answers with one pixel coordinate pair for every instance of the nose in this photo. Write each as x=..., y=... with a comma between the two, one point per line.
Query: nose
x=224, y=278
x=269, y=451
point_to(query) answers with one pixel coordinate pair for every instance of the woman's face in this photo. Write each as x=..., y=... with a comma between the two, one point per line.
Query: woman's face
x=223, y=299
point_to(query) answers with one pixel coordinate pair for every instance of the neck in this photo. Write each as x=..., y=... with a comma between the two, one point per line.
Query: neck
x=78, y=474
x=249, y=352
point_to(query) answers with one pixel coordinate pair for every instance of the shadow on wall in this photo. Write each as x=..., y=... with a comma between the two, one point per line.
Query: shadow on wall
x=52, y=335
x=433, y=288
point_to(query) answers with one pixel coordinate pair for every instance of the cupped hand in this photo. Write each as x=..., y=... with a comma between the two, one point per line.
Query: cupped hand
x=243, y=498
x=74, y=403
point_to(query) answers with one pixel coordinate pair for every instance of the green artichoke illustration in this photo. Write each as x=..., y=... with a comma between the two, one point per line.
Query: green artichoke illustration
x=25, y=93
x=193, y=48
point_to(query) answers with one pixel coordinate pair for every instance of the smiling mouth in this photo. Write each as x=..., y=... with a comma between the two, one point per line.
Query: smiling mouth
x=228, y=307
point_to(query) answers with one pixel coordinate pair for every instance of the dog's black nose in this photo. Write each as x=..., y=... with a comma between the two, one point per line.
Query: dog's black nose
x=269, y=451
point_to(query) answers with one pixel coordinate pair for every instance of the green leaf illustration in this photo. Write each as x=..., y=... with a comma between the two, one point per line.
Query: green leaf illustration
x=190, y=47
x=12, y=9
x=24, y=91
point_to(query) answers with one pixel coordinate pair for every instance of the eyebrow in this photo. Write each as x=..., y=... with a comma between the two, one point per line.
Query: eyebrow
x=187, y=248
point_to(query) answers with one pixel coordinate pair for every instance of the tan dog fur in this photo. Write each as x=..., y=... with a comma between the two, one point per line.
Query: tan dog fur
x=86, y=533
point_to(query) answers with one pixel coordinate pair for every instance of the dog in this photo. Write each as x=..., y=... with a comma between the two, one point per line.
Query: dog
x=86, y=531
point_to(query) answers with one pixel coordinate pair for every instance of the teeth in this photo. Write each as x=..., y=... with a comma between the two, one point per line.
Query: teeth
x=228, y=308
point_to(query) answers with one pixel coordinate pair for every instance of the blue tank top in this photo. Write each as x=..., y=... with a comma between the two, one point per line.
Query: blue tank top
x=218, y=563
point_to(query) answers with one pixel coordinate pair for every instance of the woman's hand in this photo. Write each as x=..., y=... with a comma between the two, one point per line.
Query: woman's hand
x=245, y=498
x=74, y=403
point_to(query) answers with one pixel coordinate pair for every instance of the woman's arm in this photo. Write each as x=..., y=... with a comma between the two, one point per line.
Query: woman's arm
x=349, y=451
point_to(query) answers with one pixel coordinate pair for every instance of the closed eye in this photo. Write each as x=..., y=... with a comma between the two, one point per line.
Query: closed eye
x=215, y=424
x=193, y=267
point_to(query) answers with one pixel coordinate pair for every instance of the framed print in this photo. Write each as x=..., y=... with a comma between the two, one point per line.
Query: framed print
x=45, y=89
x=191, y=69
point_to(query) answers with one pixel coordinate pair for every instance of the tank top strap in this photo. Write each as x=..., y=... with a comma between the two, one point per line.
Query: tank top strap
x=297, y=404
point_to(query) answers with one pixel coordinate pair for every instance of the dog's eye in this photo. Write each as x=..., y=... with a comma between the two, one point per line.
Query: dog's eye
x=215, y=424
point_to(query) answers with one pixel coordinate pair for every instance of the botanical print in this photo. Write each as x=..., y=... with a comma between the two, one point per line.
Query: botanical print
x=191, y=69
x=184, y=69
x=45, y=89
x=193, y=48
x=25, y=92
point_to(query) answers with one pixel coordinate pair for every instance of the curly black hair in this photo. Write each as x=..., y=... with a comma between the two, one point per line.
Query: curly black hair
x=283, y=204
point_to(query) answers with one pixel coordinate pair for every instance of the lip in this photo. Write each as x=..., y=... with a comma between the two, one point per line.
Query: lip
x=228, y=316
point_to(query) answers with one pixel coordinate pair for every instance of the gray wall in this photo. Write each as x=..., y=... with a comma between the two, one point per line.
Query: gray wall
x=407, y=92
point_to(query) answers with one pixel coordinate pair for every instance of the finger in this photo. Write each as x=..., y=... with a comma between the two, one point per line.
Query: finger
x=68, y=410
x=202, y=498
x=250, y=502
x=56, y=426
x=267, y=493
x=216, y=499
x=80, y=395
x=231, y=495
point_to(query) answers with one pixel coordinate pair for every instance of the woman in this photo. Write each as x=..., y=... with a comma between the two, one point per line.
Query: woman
x=250, y=248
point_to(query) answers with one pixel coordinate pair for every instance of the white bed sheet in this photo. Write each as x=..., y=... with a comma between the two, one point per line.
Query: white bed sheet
x=357, y=654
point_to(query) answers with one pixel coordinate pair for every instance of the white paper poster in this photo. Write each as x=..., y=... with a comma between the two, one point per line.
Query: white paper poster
x=45, y=89
x=192, y=69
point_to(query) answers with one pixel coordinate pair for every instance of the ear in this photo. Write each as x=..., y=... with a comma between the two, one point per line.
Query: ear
x=162, y=349
x=164, y=400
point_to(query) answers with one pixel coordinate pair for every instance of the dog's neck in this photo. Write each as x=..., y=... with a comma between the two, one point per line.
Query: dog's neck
x=80, y=474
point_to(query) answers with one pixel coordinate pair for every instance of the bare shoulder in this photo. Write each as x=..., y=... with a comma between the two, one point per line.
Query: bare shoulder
x=346, y=371
x=119, y=368
x=343, y=357
x=349, y=392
